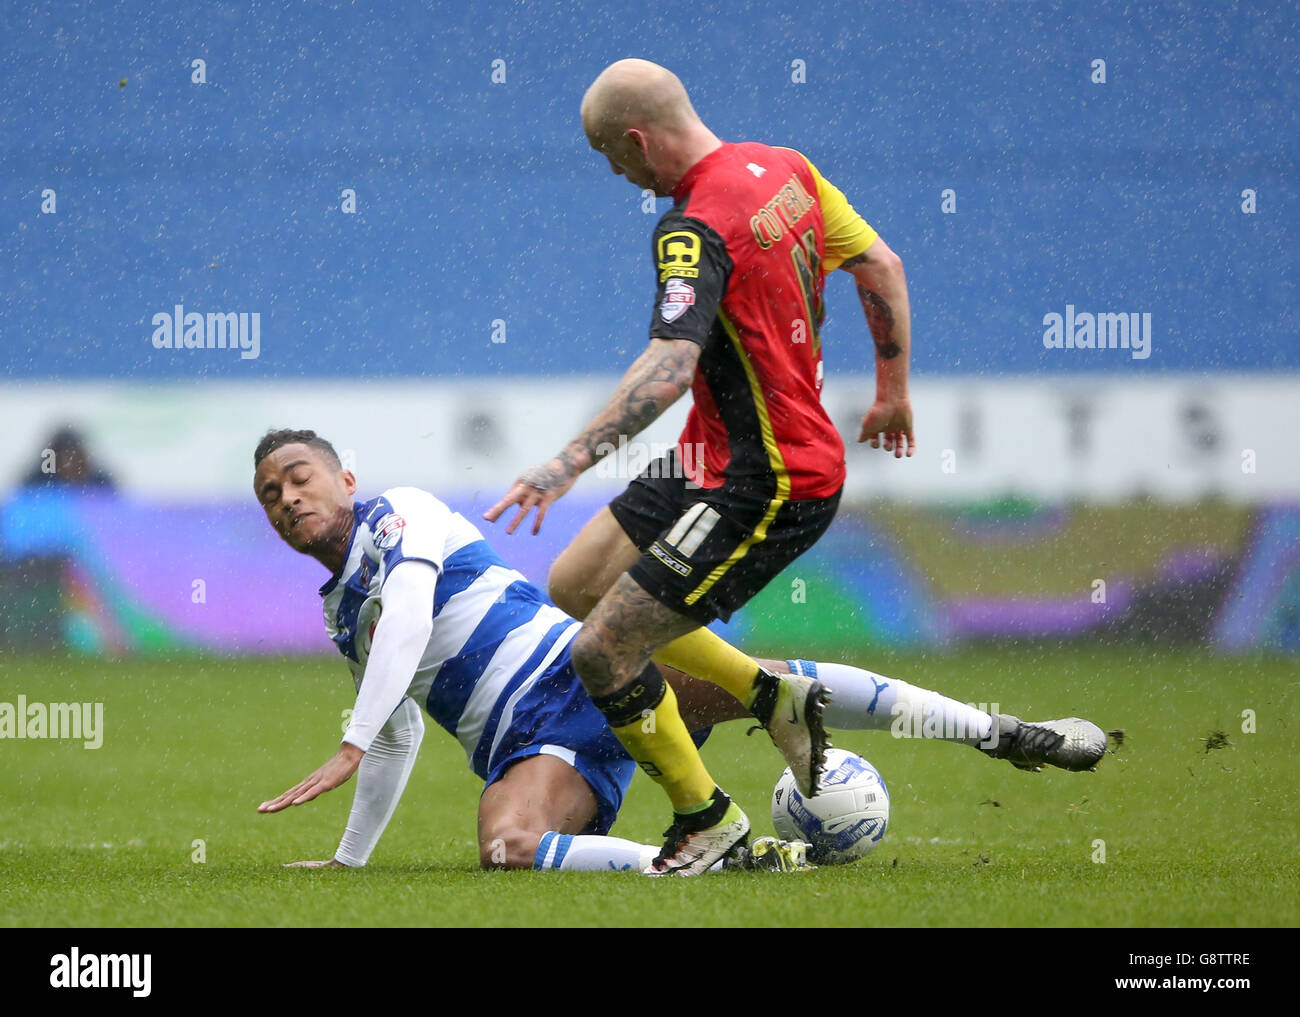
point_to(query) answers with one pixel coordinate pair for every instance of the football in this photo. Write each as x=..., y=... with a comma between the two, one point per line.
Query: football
x=848, y=817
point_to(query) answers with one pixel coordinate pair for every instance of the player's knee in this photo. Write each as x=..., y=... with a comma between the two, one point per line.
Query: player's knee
x=565, y=591
x=603, y=667
x=508, y=848
x=590, y=660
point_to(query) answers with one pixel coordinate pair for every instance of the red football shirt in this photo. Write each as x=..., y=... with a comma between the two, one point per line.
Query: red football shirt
x=739, y=260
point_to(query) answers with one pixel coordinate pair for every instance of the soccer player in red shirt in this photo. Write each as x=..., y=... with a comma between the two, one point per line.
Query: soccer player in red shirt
x=741, y=260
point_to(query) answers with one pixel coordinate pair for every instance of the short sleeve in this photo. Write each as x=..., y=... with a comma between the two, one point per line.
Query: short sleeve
x=847, y=233
x=692, y=268
x=407, y=524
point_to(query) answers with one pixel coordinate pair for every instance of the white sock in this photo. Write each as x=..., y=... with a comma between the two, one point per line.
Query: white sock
x=862, y=700
x=590, y=853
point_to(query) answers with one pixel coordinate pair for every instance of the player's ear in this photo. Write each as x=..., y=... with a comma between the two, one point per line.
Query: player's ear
x=349, y=481
x=639, y=139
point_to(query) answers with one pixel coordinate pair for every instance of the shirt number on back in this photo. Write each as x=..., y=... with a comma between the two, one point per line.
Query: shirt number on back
x=807, y=266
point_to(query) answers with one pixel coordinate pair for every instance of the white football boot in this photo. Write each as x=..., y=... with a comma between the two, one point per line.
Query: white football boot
x=690, y=852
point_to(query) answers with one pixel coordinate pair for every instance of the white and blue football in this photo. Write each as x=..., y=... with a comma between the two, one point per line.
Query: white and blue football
x=846, y=819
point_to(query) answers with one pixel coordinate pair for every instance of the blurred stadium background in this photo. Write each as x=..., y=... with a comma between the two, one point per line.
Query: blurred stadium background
x=494, y=279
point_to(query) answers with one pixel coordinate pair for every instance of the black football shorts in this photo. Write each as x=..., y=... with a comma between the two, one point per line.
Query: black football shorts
x=705, y=553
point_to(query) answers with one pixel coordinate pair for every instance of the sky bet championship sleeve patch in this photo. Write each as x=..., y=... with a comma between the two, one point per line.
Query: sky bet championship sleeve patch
x=388, y=531
x=692, y=267
x=677, y=299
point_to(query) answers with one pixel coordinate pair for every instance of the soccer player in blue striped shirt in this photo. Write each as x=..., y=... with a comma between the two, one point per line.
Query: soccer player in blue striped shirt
x=425, y=612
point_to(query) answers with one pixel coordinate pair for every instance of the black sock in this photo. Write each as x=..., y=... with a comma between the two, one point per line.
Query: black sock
x=693, y=821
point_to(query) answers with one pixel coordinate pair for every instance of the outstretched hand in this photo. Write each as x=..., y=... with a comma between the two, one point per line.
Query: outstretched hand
x=537, y=488
x=337, y=771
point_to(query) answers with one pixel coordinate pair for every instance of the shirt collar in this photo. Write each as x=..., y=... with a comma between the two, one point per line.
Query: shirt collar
x=333, y=580
x=688, y=179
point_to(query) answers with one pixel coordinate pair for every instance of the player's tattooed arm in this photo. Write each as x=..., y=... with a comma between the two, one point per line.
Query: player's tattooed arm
x=550, y=476
x=882, y=288
x=657, y=379
x=880, y=319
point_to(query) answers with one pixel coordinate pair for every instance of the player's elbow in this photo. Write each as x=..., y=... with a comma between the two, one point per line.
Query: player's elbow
x=668, y=370
x=666, y=392
x=882, y=268
x=411, y=624
x=893, y=268
x=890, y=266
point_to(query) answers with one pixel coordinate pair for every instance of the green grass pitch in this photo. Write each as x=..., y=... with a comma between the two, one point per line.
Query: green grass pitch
x=1193, y=836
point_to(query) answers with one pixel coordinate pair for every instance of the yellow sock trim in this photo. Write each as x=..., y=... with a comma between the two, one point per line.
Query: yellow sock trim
x=662, y=747
x=705, y=654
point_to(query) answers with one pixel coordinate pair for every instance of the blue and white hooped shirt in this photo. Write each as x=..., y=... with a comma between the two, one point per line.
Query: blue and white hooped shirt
x=494, y=632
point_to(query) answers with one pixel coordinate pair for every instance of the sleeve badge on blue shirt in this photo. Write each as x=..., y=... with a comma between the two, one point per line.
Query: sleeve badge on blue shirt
x=388, y=531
